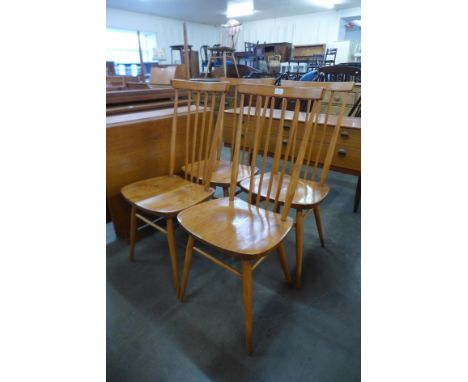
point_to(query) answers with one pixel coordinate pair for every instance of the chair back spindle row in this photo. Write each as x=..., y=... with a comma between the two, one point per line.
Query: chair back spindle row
x=261, y=131
x=201, y=139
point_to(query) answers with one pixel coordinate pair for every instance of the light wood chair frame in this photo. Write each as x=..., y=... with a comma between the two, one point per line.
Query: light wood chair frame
x=207, y=88
x=234, y=83
x=250, y=262
x=303, y=213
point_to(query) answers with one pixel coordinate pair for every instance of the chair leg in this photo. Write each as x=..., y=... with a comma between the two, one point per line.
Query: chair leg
x=225, y=192
x=224, y=64
x=284, y=263
x=208, y=68
x=173, y=252
x=357, y=195
x=247, y=286
x=318, y=221
x=299, y=237
x=187, y=265
x=235, y=64
x=133, y=221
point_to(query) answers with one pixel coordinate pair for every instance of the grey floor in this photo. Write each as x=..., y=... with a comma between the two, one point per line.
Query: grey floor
x=311, y=334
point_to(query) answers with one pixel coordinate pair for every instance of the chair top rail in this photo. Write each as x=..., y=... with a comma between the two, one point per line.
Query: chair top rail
x=282, y=92
x=208, y=86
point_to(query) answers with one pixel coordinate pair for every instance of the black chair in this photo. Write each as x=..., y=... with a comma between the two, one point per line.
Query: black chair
x=316, y=61
x=356, y=112
x=204, y=57
x=339, y=73
x=330, y=57
x=252, y=54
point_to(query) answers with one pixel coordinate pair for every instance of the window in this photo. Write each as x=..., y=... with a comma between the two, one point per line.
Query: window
x=122, y=46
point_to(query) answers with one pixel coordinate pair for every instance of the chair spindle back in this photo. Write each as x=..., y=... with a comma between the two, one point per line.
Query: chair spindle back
x=267, y=95
x=235, y=82
x=314, y=154
x=202, y=134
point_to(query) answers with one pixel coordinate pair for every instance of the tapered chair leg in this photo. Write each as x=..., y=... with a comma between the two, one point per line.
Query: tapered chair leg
x=173, y=252
x=318, y=221
x=247, y=286
x=284, y=263
x=299, y=237
x=187, y=265
x=133, y=227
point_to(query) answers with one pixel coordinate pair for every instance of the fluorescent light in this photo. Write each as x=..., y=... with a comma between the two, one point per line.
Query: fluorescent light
x=238, y=9
x=326, y=3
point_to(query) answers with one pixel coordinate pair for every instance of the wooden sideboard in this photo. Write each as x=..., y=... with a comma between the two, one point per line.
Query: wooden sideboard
x=347, y=155
x=335, y=103
x=137, y=147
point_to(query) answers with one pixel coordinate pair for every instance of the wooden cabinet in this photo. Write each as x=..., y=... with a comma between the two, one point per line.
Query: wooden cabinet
x=284, y=49
x=306, y=51
x=347, y=154
x=338, y=97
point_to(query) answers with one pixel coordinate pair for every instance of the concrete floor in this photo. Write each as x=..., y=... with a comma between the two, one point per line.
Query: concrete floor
x=312, y=334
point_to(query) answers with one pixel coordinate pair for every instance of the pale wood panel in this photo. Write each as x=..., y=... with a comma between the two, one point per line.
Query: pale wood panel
x=151, y=115
x=308, y=193
x=165, y=195
x=236, y=228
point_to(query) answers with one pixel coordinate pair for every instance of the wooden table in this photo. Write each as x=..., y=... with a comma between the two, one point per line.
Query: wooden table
x=137, y=147
x=347, y=155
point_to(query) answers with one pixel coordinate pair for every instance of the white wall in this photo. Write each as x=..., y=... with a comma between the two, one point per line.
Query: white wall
x=313, y=28
x=353, y=35
x=168, y=31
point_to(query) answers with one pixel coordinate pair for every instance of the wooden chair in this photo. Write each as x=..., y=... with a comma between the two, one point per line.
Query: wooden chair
x=165, y=196
x=221, y=176
x=244, y=230
x=311, y=192
x=339, y=73
x=330, y=57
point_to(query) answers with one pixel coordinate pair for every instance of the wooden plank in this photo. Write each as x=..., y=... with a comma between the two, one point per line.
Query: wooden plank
x=114, y=97
x=145, y=106
x=116, y=120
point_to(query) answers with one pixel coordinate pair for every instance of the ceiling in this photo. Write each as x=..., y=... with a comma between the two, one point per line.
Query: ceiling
x=213, y=11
